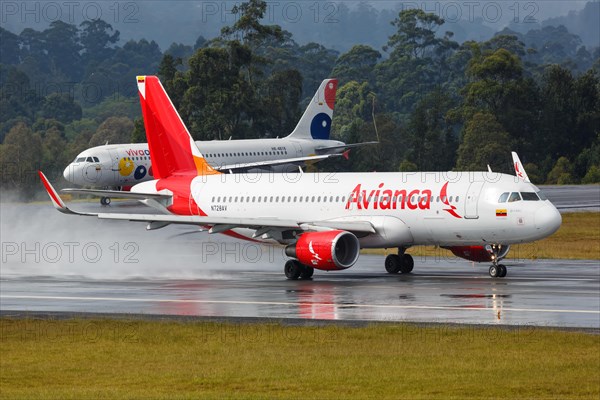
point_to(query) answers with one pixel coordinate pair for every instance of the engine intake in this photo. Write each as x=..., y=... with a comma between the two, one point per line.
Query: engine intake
x=328, y=250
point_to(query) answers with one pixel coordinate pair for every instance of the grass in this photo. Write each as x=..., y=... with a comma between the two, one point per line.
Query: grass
x=577, y=239
x=113, y=359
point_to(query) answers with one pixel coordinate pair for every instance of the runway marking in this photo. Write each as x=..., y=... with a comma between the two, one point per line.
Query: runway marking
x=275, y=303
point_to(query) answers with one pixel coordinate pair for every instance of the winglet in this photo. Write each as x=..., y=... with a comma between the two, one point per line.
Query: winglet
x=54, y=197
x=519, y=169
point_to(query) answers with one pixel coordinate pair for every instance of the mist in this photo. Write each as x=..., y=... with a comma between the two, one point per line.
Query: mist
x=38, y=241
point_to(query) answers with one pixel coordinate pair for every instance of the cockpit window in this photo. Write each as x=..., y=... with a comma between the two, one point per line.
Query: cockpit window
x=514, y=196
x=89, y=159
x=542, y=196
x=503, y=197
x=529, y=196
x=96, y=159
x=80, y=159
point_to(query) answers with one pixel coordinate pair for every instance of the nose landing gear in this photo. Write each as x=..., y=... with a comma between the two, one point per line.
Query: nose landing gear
x=496, y=270
x=105, y=201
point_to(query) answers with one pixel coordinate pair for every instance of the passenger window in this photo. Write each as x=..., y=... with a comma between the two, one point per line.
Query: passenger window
x=514, y=196
x=456, y=200
x=503, y=197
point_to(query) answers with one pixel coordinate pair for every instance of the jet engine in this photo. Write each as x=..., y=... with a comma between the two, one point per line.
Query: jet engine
x=327, y=250
x=480, y=253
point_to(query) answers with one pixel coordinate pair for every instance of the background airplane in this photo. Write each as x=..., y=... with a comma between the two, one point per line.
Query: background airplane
x=124, y=165
x=325, y=219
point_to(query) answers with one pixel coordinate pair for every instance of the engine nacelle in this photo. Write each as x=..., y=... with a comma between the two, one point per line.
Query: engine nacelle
x=478, y=253
x=327, y=250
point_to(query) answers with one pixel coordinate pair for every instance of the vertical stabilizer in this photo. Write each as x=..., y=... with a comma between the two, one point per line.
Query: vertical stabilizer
x=172, y=148
x=316, y=120
x=519, y=169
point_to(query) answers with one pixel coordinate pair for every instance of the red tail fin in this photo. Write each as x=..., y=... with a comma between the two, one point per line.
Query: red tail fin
x=172, y=148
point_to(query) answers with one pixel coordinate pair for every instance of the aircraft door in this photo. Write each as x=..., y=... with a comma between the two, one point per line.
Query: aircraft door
x=114, y=167
x=298, y=149
x=472, y=200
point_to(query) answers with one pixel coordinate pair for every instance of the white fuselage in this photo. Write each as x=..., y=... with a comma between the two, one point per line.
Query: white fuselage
x=404, y=208
x=121, y=165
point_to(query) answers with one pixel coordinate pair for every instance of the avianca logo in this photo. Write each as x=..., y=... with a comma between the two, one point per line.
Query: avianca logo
x=387, y=199
x=519, y=173
x=316, y=257
x=444, y=199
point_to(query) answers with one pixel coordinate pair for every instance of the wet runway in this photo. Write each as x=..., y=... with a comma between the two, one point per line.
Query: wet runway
x=53, y=262
x=543, y=293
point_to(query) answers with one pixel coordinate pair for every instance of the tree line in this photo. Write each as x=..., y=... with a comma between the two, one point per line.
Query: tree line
x=432, y=103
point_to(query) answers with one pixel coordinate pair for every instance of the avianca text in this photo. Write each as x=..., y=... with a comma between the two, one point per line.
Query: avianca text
x=387, y=199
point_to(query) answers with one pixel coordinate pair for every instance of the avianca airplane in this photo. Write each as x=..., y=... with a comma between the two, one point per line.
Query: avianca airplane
x=124, y=165
x=323, y=220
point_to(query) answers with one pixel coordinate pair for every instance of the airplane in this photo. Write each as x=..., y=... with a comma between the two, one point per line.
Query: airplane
x=121, y=166
x=324, y=219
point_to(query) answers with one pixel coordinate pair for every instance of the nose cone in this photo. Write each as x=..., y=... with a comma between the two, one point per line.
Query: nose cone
x=548, y=219
x=68, y=173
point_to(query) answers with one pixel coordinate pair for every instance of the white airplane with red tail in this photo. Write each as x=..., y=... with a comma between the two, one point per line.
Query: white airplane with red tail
x=324, y=219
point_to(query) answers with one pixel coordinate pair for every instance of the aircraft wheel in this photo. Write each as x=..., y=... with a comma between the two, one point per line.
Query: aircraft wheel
x=105, y=201
x=292, y=269
x=503, y=271
x=307, y=272
x=392, y=264
x=494, y=271
x=408, y=263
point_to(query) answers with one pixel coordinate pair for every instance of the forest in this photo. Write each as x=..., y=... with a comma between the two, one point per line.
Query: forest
x=433, y=103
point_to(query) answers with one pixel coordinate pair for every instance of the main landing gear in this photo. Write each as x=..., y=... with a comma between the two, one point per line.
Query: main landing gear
x=496, y=270
x=399, y=263
x=294, y=270
x=105, y=201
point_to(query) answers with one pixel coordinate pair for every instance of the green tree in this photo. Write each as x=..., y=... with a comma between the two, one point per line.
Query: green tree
x=430, y=135
x=20, y=159
x=114, y=130
x=357, y=64
x=484, y=142
x=62, y=107
x=562, y=173
x=97, y=38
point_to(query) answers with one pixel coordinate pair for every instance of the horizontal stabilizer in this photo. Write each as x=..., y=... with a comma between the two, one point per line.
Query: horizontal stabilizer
x=322, y=150
x=118, y=194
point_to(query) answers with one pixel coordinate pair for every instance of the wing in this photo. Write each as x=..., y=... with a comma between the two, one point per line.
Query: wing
x=262, y=225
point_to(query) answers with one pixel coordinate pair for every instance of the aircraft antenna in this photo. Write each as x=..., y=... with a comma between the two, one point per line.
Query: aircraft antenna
x=373, y=115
